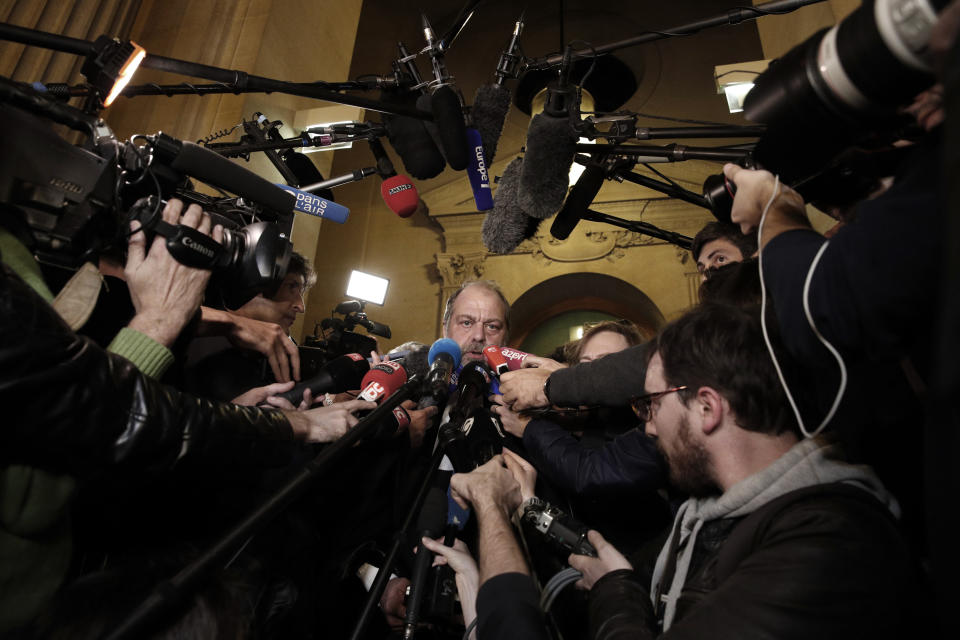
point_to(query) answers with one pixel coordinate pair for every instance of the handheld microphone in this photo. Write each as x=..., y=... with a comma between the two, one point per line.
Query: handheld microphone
x=382, y=381
x=491, y=103
x=317, y=206
x=443, y=356
x=513, y=358
x=582, y=194
x=477, y=172
x=430, y=524
x=472, y=385
x=496, y=360
x=338, y=375
x=550, y=149
x=506, y=225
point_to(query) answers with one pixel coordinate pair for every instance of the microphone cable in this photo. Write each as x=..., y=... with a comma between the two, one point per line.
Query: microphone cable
x=810, y=321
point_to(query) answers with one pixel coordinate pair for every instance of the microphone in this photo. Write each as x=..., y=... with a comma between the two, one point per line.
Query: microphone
x=382, y=380
x=430, y=523
x=338, y=375
x=472, y=386
x=443, y=356
x=323, y=186
x=317, y=206
x=410, y=139
x=514, y=357
x=400, y=195
x=551, y=147
x=397, y=191
x=209, y=166
x=491, y=103
x=495, y=360
x=582, y=194
x=503, y=359
x=506, y=225
x=477, y=172
x=446, y=105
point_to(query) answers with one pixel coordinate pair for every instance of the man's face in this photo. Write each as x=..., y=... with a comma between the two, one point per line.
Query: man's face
x=282, y=308
x=601, y=344
x=477, y=321
x=685, y=453
x=717, y=253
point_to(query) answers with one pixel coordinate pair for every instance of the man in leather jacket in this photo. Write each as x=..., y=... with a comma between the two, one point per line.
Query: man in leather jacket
x=72, y=409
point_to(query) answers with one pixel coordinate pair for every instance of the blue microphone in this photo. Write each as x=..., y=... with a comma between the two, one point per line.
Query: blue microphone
x=477, y=172
x=317, y=206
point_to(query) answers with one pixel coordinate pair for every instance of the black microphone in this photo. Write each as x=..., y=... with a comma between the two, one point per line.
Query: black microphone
x=506, y=225
x=582, y=194
x=209, y=166
x=491, y=103
x=430, y=523
x=443, y=357
x=550, y=149
x=410, y=139
x=446, y=105
x=472, y=386
x=338, y=375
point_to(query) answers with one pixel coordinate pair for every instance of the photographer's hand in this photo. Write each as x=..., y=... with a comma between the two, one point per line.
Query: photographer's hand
x=754, y=190
x=164, y=292
x=608, y=559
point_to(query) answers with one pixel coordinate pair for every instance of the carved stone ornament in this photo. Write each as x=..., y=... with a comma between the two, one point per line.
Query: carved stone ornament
x=456, y=268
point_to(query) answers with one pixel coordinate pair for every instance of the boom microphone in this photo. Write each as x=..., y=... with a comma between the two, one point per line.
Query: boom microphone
x=400, y=195
x=477, y=172
x=491, y=103
x=410, y=139
x=551, y=147
x=338, y=375
x=397, y=191
x=506, y=226
x=446, y=105
x=582, y=194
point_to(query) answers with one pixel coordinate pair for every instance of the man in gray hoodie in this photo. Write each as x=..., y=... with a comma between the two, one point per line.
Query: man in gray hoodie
x=780, y=538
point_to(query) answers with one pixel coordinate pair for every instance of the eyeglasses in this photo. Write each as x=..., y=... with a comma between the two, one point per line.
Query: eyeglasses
x=641, y=404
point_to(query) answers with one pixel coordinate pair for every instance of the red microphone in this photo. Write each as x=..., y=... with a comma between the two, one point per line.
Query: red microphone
x=513, y=357
x=397, y=191
x=382, y=380
x=400, y=195
x=495, y=360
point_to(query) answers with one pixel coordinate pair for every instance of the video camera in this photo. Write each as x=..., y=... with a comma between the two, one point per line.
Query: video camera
x=333, y=337
x=832, y=104
x=73, y=203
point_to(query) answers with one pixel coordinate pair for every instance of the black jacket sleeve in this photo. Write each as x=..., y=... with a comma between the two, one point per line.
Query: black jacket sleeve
x=72, y=406
x=628, y=463
x=508, y=608
x=619, y=608
x=877, y=282
x=610, y=381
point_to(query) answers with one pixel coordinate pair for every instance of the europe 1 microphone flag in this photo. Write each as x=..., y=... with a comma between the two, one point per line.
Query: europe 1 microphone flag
x=477, y=172
x=317, y=206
